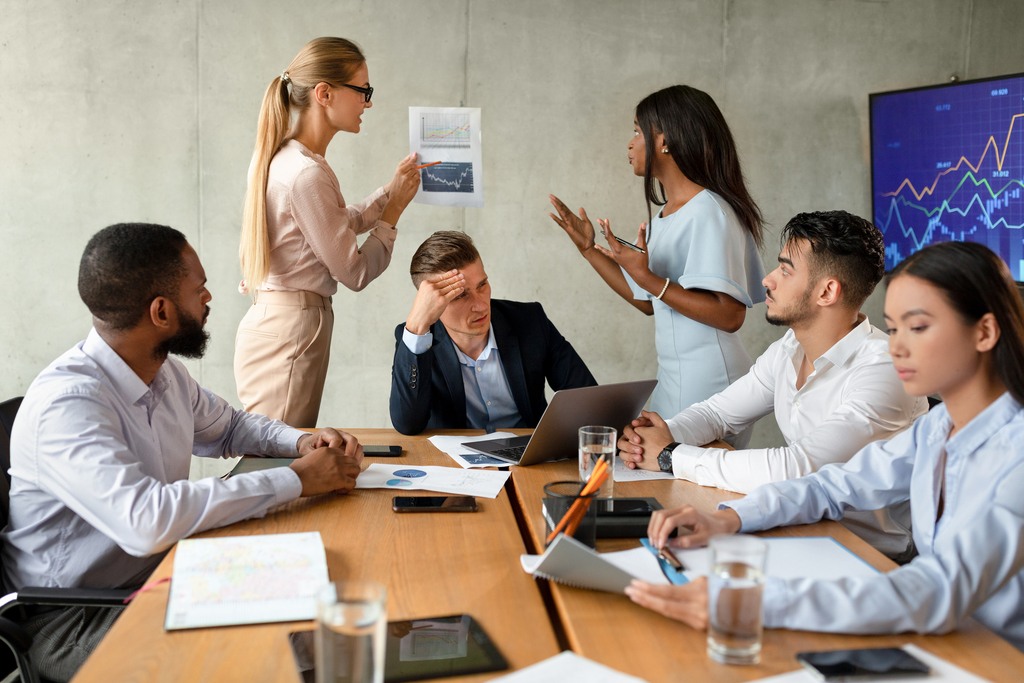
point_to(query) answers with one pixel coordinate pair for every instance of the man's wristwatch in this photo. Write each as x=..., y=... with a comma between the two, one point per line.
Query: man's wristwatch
x=665, y=457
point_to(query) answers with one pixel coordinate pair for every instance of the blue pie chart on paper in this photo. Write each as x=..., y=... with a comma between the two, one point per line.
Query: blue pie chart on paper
x=409, y=474
x=399, y=482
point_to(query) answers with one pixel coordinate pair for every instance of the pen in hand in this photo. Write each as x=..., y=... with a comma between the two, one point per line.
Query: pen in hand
x=427, y=165
x=673, y=561
x=628, y=245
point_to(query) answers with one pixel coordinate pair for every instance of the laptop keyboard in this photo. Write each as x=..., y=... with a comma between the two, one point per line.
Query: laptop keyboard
x=513, y=452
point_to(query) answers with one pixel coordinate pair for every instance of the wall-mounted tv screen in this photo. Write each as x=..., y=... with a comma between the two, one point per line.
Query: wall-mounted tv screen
x=947, y=164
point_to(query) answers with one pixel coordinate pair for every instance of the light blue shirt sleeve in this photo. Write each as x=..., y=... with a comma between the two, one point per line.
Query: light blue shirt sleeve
x=971, y=560
x=417, y=343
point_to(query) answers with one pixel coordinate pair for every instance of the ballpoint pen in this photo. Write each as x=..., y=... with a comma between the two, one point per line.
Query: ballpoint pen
x=673, y=561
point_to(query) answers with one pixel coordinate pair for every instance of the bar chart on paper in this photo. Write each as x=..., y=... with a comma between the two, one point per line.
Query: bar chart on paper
x=948, y=165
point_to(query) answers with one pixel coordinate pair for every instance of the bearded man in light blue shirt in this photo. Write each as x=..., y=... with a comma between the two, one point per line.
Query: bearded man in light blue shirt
x=102, y=443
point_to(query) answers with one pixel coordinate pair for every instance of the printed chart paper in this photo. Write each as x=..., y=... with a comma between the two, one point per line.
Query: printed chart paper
x=481, y=483
x=452, y=445
x=246, y=580
x=451, y=136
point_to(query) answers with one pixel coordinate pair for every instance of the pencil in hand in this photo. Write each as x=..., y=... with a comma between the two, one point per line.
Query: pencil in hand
x=427, y=165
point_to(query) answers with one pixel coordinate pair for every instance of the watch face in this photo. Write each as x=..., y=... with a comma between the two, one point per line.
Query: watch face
x=665, y=460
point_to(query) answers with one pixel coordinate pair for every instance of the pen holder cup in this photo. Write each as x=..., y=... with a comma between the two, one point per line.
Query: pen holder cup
x=559, y=498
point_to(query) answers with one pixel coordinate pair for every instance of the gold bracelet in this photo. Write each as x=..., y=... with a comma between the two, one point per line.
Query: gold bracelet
x=663, y=289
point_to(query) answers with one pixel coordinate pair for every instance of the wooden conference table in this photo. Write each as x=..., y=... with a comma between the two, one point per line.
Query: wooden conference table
x=436, y=564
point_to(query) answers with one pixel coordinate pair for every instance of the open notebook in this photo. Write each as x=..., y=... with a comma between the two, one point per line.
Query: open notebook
x=570, y=562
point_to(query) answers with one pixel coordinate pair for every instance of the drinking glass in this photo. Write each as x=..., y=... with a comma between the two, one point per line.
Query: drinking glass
x=350, y=629
x=598, y=443
x=735, y=588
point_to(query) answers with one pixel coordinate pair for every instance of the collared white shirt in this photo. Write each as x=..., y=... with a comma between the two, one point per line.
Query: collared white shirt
x=852, y=397
x=489, y=402
x=99, y=470
x=971, y=561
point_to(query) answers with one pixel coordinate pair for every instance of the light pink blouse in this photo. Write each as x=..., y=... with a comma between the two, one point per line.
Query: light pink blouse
x=313, y=233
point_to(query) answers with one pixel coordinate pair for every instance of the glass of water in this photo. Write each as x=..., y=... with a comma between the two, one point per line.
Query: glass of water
x=350, y=629
x=735, y=588
x=598, y=443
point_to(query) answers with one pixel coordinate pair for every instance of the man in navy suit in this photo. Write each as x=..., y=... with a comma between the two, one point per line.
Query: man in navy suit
x=463, y=361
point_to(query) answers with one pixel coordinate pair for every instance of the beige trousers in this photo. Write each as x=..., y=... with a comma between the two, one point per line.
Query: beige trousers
x=282, y=349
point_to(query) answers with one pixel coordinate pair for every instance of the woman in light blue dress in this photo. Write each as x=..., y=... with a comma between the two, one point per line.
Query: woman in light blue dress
x=700, y=268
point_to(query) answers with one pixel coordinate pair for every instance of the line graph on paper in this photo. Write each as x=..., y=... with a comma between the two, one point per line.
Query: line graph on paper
x=448, y=176
x=948, y=164
x=445, y=130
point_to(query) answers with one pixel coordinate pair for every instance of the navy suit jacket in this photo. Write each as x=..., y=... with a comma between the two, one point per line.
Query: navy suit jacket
x=427, y=391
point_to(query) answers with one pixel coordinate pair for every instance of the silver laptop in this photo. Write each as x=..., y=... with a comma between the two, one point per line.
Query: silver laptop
x=555, y=437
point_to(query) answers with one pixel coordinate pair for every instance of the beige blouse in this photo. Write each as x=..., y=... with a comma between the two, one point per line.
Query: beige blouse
x=313, y=233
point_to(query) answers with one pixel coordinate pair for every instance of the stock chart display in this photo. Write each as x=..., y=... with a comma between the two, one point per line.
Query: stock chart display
x=947, y=163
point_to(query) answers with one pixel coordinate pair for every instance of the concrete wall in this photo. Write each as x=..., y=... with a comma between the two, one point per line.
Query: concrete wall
x=118, y=110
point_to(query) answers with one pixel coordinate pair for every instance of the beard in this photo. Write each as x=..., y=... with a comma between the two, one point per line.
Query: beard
x=794, y=314
x=190, y=340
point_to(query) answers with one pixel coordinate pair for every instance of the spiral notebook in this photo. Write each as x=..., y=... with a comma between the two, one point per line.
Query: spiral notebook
x=570, y=562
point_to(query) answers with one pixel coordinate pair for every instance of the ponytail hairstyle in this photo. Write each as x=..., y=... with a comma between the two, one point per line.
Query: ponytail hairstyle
x=975, y=281
x=699, y=140
x=329, y=60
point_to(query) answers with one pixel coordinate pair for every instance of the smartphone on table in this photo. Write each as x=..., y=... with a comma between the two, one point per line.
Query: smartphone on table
x=378, y=451
x=434, y=504
x=863, y=664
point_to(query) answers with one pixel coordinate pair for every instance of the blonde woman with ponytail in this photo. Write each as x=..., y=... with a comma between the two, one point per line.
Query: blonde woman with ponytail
x=299, y=236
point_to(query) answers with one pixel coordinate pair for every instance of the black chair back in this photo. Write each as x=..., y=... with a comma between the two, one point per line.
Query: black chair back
x=8, y=409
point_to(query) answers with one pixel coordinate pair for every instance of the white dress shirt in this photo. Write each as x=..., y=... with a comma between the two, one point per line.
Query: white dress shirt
x=971, y=560
x=852, y=397
x=489, y=402
x=99, y=470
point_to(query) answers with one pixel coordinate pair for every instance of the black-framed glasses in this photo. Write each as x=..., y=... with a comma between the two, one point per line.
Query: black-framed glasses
x=367, y=91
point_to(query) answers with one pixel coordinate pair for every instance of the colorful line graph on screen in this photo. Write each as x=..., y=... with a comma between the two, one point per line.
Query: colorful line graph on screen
x=948, y=164
x=445, y=130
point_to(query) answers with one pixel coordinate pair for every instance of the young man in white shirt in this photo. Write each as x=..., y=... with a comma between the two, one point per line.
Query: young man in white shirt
x=101, y=447
x=829, y=380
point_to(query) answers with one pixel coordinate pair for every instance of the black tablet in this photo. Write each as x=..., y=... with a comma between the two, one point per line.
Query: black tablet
x=417, y=649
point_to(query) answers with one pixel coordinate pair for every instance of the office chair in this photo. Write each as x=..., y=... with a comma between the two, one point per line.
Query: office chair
x=12, y=634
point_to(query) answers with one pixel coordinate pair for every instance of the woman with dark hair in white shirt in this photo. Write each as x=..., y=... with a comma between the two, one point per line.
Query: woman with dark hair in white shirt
x=956, y=326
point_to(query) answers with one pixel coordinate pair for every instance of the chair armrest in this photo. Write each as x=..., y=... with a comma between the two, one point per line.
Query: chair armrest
x=97, y=597
x=70, y=597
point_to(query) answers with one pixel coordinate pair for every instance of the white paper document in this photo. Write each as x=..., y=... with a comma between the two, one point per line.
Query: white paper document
x=942, y=672
x=623, y=473
x=480, y=483
x=815, y=557
x=452, y=445
x=448, y=138
x=246, y=580
x=570, y=562
x=567, y=666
